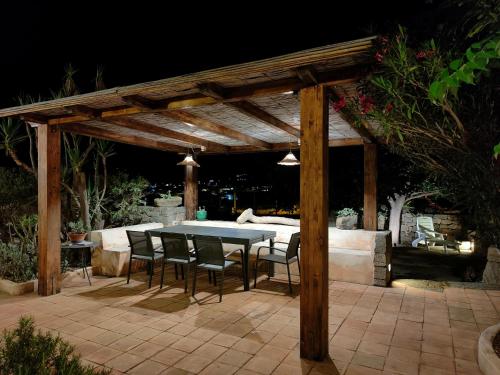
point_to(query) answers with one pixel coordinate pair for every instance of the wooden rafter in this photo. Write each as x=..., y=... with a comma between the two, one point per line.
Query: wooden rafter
x=294, y=145
x=337, y=77
x=103, y=133
x=247, y=108
x=214, y=127
x=146, y=127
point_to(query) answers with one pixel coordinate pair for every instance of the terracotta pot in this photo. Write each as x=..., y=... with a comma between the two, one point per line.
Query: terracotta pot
x=76, y=237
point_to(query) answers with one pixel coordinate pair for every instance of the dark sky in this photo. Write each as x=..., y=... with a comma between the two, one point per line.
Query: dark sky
x=137, y=41
x=153, y=39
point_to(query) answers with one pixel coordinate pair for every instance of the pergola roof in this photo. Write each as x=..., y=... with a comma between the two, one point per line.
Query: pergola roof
x=240, y=108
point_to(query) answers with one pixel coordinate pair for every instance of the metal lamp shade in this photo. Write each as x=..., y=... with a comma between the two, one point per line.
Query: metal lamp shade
x=289, y=160
x=189, y=161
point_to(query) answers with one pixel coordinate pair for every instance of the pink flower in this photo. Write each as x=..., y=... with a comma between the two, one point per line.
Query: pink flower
x=339, y=104
x=366, y=104
x=389, y=107
x=379, y=57
x=421, y=55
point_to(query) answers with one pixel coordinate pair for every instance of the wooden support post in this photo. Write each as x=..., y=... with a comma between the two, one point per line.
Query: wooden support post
x=49, y=210
x=314, y=223
x=370, y=187
x=191, y=192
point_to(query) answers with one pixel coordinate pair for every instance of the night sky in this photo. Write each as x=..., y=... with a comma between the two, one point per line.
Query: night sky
x=153, y=40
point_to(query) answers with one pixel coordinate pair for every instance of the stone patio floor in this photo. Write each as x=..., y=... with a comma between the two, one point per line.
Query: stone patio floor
x=133, y=330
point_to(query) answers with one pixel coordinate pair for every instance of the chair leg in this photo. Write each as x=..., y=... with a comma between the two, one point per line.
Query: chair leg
x=209, y=277
x=151, y=274
x=182, y=271
x=162, y=272
x=255, y=272
x=176, y=273
x=194, y=280
x=215, y=278
x=186, y=279
x=289, y=278
x=221, y=285
x=298, y=264
x=129, y=268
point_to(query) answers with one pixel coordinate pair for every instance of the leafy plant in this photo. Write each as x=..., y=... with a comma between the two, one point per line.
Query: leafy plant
x=77, y=226
x=346, y=212
x=24, y=351
x=16, y=264
x=126, y=195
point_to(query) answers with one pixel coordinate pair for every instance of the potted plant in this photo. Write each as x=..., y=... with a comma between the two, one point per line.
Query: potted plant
x=382, y=217
x=347, y=218
x=168, y=200
x=77, y=231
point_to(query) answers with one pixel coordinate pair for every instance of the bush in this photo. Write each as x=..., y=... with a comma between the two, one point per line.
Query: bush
x=126, y=195
x=346, y=212
x=16, y=264
x=22, y=351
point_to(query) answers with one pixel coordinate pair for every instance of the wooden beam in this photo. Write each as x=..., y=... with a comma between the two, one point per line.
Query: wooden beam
x=146, y=127
x=308, y=75
x=370, y=187
x=294, y=145
x=49, y=210
x=336, y=77
x=191, y=192
x=83, y=110
x=314, y=223
x=259, y=114
x=103, y=133
x=216, y=128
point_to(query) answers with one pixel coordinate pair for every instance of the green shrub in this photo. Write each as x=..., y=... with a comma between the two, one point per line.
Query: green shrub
x=346, y=212
x=125, y=197
x=25, y=352
x=16, y=264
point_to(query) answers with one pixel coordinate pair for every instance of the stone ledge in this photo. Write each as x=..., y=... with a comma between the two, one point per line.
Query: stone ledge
x=16, y=289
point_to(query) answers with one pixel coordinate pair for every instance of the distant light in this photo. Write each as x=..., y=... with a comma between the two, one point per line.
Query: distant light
x=466, y=246
x=189, y=124
x=203, y=148
x=288, y=92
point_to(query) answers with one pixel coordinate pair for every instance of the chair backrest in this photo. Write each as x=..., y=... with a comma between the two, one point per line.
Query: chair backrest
x=209, y=250
x=293, y=246
x=140, y=243
x=175, y=245
x=425, y=225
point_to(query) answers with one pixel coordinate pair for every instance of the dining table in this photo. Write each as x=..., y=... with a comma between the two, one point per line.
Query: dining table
x=236, y=236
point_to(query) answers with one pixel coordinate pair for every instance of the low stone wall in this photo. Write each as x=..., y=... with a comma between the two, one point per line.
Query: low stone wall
x=165, y=215
x=444, y=223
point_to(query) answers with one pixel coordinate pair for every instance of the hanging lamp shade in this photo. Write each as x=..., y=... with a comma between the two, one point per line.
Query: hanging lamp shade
x=189, y=161
x=289, y=160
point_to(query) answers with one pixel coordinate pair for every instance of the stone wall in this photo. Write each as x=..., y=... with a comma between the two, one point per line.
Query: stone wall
x=444, y=223
x=165, y=215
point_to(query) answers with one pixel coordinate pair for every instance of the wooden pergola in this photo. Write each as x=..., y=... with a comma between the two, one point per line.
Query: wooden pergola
x=266, y=105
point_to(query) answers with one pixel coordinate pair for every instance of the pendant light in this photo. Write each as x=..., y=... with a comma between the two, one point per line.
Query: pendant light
x=189, y=161
x=289, y=160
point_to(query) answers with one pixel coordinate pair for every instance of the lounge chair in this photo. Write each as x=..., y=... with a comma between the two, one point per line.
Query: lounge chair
x=428, y=236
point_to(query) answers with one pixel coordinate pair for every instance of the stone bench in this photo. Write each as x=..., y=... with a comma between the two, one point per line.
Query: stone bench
x=356, y=256
x=112, y=253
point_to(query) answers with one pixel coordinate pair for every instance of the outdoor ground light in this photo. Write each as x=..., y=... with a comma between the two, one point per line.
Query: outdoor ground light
x=189, y=161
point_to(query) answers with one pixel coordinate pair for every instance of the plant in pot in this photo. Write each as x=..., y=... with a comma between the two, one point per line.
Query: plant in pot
x=168, y=200
x=347, y=218
x=77, y=231
x=382, y=217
